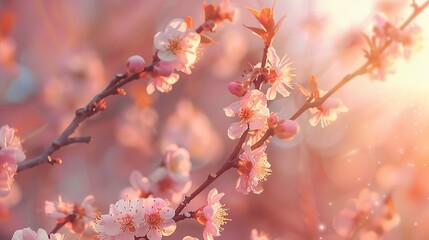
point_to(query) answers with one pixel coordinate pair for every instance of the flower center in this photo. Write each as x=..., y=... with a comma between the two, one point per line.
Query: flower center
x=175, y=46
x=245, y=114
x=127, y=223
x=153, y=219
x=244, y=167
x=219, y=218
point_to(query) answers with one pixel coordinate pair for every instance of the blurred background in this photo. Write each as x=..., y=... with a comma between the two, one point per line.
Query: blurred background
x=55, y=55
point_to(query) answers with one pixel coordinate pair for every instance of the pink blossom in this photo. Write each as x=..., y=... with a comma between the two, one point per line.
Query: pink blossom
x=212, y=215
x=177, y=161
x=280, y=75
x=178, y=44
x=252, y=111
x=190, y=128
x=83, y=213
x=123, y=221
x=163, y=185
x=163, y=84
x=158, y=219
x=189, y=238
x=140, y=186
x=9, y=141
x=255, y=235
x=253, y=168
x=327, y=112
x=29, y=234
x=369, y=214
x=8, y=169
x=237, y=88
x=10, y=154
x=135, y=64
x=286, y=129
x=172, y=179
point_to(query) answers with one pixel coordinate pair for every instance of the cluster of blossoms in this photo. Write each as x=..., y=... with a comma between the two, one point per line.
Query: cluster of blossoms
x=29, y=234
x=402, y=42
x=170, y=181
x=177, y=48
x=144, y=208
x=76, y=217
x=153, y=218
x=369, y=216
x=11, y=153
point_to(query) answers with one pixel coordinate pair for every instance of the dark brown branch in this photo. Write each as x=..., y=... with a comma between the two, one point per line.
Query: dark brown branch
x=213, y=176
x=93, y=107
x=69, y=218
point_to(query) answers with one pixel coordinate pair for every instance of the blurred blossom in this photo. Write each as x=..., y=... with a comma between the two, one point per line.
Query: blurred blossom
x=391, y=7
x=369, y=215
x=213, y=215
x=78, y=217
x=172, y=179
x=82, y=75
x=140, y=187
x=41, y=234
x=314, y=24
x=136, y=128
x=256, y=235
x=8, y=67
x=190, y=128
x=10, y=154
x=231, y=53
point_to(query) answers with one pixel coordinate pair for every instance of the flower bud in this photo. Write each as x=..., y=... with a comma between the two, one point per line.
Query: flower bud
x=286, y=129
x=164, y=68
x=135, y=64
x=237, y=88
x=272, y=120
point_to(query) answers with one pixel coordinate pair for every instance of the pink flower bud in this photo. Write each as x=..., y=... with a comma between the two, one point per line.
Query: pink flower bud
x=135, y=64
x=237, y=88
x=286, y=129
x=272, y=120
x=164, y=68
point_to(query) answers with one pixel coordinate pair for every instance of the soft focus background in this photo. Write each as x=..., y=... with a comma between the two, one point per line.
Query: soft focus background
x=58, y=54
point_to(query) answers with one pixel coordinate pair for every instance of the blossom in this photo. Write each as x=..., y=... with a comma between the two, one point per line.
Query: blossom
x=190, y=128
x=253, y=113
x=122, y=222
x=190, y=238
x=327, y=112
x=178, y=44
x=212, y=215
x=140, y=186
x=280, y=75
x=369, y=214
x=166, y=186
x=8, y=169
x=10, y=154
x=161, y=83
x=255, y=235
x=177, y=161
x=253, y=168
x=9, y=141
x=286, y=129
x=158, y=219
x=77, y=216
x=29, y=234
